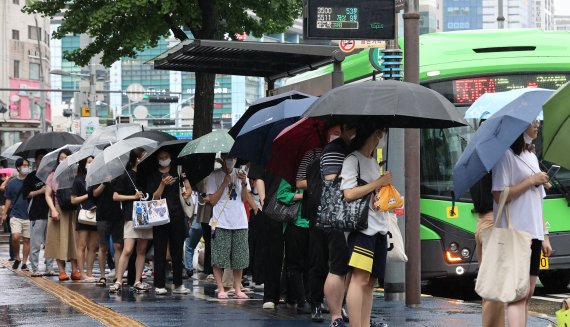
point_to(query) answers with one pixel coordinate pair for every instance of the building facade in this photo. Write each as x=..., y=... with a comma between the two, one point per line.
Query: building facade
x=543, y=14
x=23, y=64
x=517, y=13
x=562, y=22
x=431, y=16
x=462, y=15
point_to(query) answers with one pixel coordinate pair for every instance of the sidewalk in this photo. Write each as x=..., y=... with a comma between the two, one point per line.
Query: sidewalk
x=43, y=301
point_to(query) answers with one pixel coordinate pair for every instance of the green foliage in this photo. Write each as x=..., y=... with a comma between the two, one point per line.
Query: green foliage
x=120, y=28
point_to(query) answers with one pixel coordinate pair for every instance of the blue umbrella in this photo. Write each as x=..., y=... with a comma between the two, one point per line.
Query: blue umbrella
x=490, y=103
x=280, y=111
x=494, y=137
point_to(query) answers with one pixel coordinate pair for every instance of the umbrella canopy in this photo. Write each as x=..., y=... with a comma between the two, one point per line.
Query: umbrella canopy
x=492, y=140
x=286, y=109
x=213, y=142
x=198, y=166
x=46, y=141
x=8, y=153
x=111, y=163
x=489, y=103
x=155, y=135
x=261, y=104
x=556, y=128
x=150, y=162
x=111, y=134
x=292, y=143
x=50, y=161
x=394, y=103
x=67, y=170
x=7, y=172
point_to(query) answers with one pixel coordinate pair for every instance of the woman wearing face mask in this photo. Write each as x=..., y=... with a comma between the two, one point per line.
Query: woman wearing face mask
x=367, y=248
x=519, y=170
x=227, y=191
x=87, y=237
x=164, y=183
x=60, y=238
x=127, y=191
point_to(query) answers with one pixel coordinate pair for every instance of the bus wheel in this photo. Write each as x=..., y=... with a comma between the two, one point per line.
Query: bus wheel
x=555, y=281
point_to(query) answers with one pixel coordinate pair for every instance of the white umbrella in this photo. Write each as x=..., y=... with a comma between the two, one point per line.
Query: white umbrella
x=8, y=153
x=111, y=134
x=49, y=161
x=111, y=163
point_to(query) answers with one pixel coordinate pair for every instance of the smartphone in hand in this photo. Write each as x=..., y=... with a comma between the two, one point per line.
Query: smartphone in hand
x=553, y=171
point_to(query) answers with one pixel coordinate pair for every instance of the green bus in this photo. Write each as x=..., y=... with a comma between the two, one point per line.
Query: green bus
x=462, y=66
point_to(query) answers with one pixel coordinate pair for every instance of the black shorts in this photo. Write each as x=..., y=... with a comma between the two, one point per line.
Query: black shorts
x=338, y=251
x=368, y=253
x=536, y=249
x=112, y=228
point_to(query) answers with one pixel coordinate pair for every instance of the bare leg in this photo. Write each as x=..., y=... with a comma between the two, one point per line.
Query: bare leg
x=26, y=250
x=60, y=265
x=530, y=294
x=367, y=302
x=334, y=293
x=103, y=248
x=80, y=247
x=359, y=284
x=237, y=280
x=92, y=242
x=118, y=247
x=121, y=265
x=218, y=278
x=141, y=256
x=16, y=245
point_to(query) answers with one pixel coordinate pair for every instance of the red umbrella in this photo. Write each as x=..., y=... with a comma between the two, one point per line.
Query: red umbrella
x=292, y=143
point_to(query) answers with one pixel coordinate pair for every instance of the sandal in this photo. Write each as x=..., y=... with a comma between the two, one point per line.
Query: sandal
x=141, y=287
x=116, y=287
x=102, y=282
x=223, y=295
x=36, y=274
x=241, y=296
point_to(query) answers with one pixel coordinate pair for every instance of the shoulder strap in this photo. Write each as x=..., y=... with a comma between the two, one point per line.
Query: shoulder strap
x=502, y=203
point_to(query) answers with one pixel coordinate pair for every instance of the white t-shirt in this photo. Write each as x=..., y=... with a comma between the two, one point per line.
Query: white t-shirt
x=526, y=209
x=369, y=171
x=230, y=209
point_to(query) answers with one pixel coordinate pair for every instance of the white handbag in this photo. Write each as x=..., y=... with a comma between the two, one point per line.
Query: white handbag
x=147, y=214
x=505, y=267
x=87, y=217
x=396, y=248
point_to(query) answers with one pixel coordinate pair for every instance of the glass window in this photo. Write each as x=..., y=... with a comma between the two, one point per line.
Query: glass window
x=15, y=35
x=34, y=33
x=16, y=2
x=16, y=68
x=34, y=71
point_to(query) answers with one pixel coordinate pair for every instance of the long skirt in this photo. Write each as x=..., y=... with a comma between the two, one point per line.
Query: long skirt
x=60, y=239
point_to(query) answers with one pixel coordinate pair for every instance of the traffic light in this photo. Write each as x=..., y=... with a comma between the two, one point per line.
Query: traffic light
x=124, y=119
x=85, y=112
x=392, y=64
x=163, y=99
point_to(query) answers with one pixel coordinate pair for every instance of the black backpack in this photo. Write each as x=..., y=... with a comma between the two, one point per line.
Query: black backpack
x=312, y=195
x=64, y=199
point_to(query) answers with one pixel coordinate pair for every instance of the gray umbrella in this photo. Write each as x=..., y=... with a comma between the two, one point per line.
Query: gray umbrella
x=392, y=103
x=8, y=153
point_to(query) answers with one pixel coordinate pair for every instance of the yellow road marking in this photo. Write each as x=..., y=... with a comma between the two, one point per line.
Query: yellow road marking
x=85, y=305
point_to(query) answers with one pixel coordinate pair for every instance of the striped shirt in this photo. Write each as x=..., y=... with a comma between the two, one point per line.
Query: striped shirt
x=333, y=156
x=307, y=159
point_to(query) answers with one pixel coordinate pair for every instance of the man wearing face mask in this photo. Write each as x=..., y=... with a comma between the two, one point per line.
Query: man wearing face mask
x=34, y=190
x=227, y=191
x=17, y=204
x=164, y=183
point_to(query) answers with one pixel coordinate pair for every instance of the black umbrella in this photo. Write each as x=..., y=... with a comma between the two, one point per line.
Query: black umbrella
x=391, y=103
x=46, y=141
x=154, y=135
x=262, y=104
x=197, y=166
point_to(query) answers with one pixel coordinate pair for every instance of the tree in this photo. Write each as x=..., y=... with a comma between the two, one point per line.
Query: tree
x=120, y=28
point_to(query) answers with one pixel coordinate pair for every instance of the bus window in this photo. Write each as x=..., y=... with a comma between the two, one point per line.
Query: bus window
x=563, y=175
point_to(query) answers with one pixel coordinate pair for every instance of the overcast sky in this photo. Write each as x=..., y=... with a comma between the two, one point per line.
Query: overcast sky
x=562, y=7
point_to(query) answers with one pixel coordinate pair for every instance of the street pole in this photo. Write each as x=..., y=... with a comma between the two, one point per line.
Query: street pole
x=92, y=91
x=42, y=105
x=337, y=74
x=412, y=164
x=500, y=17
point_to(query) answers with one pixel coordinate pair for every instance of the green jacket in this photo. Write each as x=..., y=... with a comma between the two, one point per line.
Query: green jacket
x=285, y=194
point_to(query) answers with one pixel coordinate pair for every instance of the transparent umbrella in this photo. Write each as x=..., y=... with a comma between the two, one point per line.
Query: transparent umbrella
x=67, y=170
x=111, y=163
x=49, y=161
x=8, y=153
x=111, y=134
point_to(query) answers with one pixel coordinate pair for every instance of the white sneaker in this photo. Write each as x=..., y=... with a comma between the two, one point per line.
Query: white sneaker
x=268, y=305
x=160, y=291
x=180, y=290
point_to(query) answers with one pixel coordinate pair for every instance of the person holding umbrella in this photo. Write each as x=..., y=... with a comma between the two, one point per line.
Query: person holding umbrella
x=164, y=183
x=126, y=192
x=368, y=248
x=519, y=170
x=87, y=237
x=60, y=239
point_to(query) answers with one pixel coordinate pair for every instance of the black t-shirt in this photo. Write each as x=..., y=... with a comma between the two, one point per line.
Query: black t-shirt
x=482, y=195
x=124, y=186
x=79, y=189
x=171, y=192
x=39, y=208
x=107, y=209
x=271, y=180
x=333, y=157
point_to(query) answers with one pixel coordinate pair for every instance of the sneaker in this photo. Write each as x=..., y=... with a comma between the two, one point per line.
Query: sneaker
x=160, y=291
x=337, y=323
x=344, y=314
x=16, y=264
x=24, y=267
x=269, y=305
x=377, y=324
x=317, y=314
x=181, y=290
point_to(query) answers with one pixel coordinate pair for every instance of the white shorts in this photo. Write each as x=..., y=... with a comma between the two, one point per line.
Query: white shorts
x=20, y=226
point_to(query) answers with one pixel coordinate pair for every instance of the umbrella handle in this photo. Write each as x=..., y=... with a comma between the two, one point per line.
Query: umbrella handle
x=145, y=197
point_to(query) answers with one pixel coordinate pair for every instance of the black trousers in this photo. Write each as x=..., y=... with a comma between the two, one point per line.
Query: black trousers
x=207, y=235
x=296, y=253
x=272, y=238
x=174, y=234
x=318, y=264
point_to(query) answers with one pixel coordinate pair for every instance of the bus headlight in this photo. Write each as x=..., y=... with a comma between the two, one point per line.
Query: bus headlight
x=465, y=253
x=453, y=246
